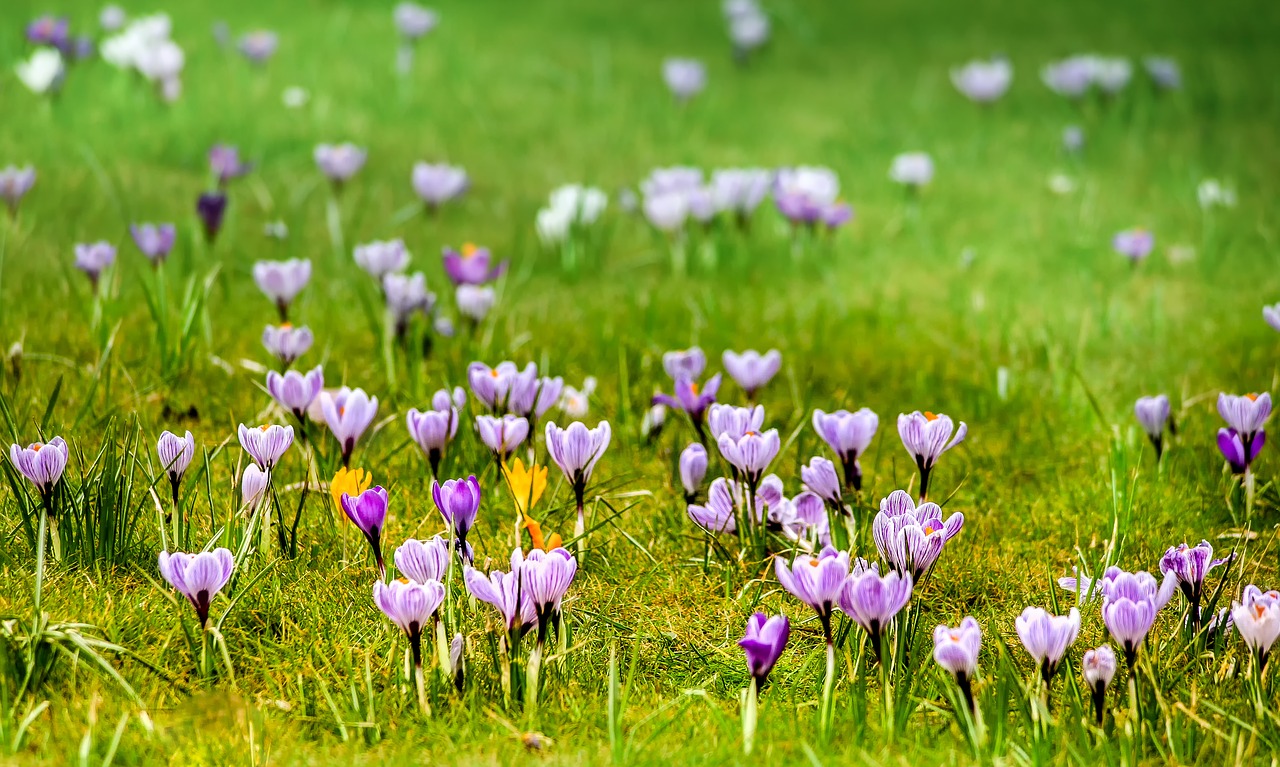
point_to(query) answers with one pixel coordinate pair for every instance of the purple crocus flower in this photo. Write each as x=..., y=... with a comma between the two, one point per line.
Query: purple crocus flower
x=684, y=77
x=175, y=455
x=1164, y=72
x=718, y=514
x=1070, y=77
x=471, y=266
x=1233, y=449
x=502, y=435
x=497, y=387
x=295, y=391
x=411, y=606
x=763, y=642
x=685, y=364
x=348, y=413
x=506, y=592
x=422, y=562
x=1134, y=244
x=1245, y=414
x=433, y=430
x=368, y=511
x=735, y=422
x=1272, y=316
x=443, y=399
x=1098, y=668
x=42, y=463
x=910, y=538
x=211, y=208
x=740, y=190
x=751, y=453
x=414, y=21
x=912, y=169
x=693, y=470
x=1130, y=602
x=266, y=444
x=836, y=215
x=873, y=601
x=458, y=501
x=547, y=577
x=1257, y=617
x=818, y=581
x=821, y=479
x=253, y=484
x=339, y=162
x=692, y=400
x=983, y=82
x=93, y=259
x=155, y=241
x=956, y=651
x=198, y=577
x=282, y=281
x=475, y=301
x=576, y=451
x=439, y=183
x=406, y=295
x=1153, y=414
x=15, y=182
x=752, y=370
x=1047, y=637
x=1190, y=565
x=259, y=45
x=53, y=31
x=287, y=343
x=224, y=161
x=848, y=435
x=926, y=437
x=380, y=258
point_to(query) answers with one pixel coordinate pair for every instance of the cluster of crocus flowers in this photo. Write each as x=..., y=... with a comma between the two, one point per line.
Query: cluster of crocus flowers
x=691, y=398
x=1134, y=244
x=983, y=82
x=910, y=537
x=1075, y=76
x=926, y=437
x=809, y=195
x=751, y=370
x=154, y=240
x=198, y=577
x=508, y=389
x=1153, y=413
x=848, y=435
x=1243, y=437
x=282, y=281
x=348, y=413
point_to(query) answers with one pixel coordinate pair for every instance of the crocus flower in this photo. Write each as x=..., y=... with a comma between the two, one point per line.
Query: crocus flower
x=1190, y=564
x=685, y=364
x=1130, y=602
x=547, y=577
x=15, y=182
x=348, y=413
x=576, y=450
x=53, y=31
x=458, y=501
x=287, y=343
x=43, y=72
x=112, y=18
x=433, y=430
x=926, y=437
x=532, y=397
x=692, y=400
x=411, y=606
x=443, y=399
x=259, y=45
x=740, y=190
x=423, y=561
x=198, y=577
x=211, y=208
x=175, y=455
x=912, y=169
x=225, y=162
x=804, y=194
x=685, y=77
x=735, y=422
x=368, y=511
x=573, y=402
x=1070, y=77
x=983, y=82
x=282, y=281
x=873, y=600
x=253, y=484
x=502, y=435
x=848, y=435
x=1257, y=618
x=1047, y=637
x=1133, y=244
x=506, y=592
x=655, y=418
x=818, y=581
x=717, y=515
x=751, y=370
x=1246, y=414
x=380, y=258
x=819, y=476
x=498, y=387
x=747, y=32
x=910, y=538
x=406, y=295
x=1233, y=449
x=265, y=444
x=41, y=463
x=474, y=301
x=693, y=470
x=1164, y=72
x=155, y=241
x=1153, y=414
x=763, y=642
x=1098, y=668
x=94, y=258
x=438, y=184
x=339, y=162
x=295, y=391
x=1111, y=74
x=751, y=453
x=414, y=21
x=956, y=651
x=471, y=266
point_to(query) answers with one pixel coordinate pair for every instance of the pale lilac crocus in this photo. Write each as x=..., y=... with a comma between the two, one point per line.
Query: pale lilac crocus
x=198, y=577
x=41, y=463
x=873, y=600
x=433, y=430
x=717, y=515
x=1153, y=415
x=412, y=607
x=295, y=391
x=437, y=184
x=848, y=435
x=752, y=370
x=956, y=651
x=762, y=643
x=413, y=21
x=1070, y=77
x=820, y=477
x=751, y=453
x=1098, y=668
x=693, y=400
x=926, y=437
x=547, y=577
x=281, y=281
x=93, y=259
x=912, y=169
x=498, y=387
x=15, y=182
x=983, y=82
x=1134, y=244
x=176, y=454
x=406, y=295
x=225, y=162
x=380, y=258
x=458, y=501
x=818, y=581
x=475, y=301
x=287, y=343
x=1130, y=603
x=1190, y=565
x=259, y=45
x=734, y=421
x=348, y=413
x=253, y=485
x=576, y=450
x=684, y=77
x=805, y=194
x=1257, y=617
x=693, y=469
x=471, y=266
x=1164, y=72
x=154, y=240
x=421, y=561
x=1272, y=316
x=1047, y=637
x=340, y=162
x=910, y=537
x=685, y=364
x=506, y=592
x=368, y=512
x=740, y=191
x=266, y=444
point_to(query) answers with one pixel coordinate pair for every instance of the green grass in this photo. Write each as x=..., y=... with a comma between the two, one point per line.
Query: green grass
x=528, y=96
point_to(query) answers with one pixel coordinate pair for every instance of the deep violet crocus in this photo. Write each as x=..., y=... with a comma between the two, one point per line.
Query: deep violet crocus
x=211, y=208
x=154, y=240
x=910, y=537
x=576, y=450
x=1098, y=668
x=368, y=511
x=693, y=470
x=295, y=391
x=93, y=258
x=763, y=642
x=502, y=435
x=1047, y=637
x=471, y=266
x=848, y=435
x=956, y=651
x=433, y=430
x=693, y=401
x=1153, y=414
x=282, y=281
x=1190, y=565
x=1130, y=603
x=286, y=342
x=926, y=437
x=458, y=501
x=1233, y=449
x=348, y=412
x=873, y=600
x=752, y=370
x=198, y=577
x=175, y=455
x=266, y=444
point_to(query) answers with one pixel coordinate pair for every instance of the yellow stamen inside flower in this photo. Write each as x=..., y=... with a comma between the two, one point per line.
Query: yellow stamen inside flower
x=469, y=249
x=1259, y=610
x=693, y=387
x=403, y=579
x=493, y=373
x=1252, y=397
x=35, y=447
x=955, y=636
x=813, y=562
x=286, y=325
x=265, y=426
x=350, y=482
x=930, y=416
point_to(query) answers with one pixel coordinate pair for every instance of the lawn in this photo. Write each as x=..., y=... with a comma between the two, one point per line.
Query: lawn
x=992, y=294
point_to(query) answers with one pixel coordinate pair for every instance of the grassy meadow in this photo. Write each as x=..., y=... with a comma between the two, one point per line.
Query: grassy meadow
x=989, y=296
